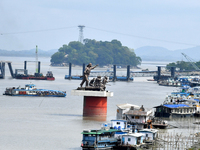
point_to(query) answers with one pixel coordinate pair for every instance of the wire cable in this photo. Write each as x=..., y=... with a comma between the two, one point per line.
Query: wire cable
x=62, y=28
x=136, y=36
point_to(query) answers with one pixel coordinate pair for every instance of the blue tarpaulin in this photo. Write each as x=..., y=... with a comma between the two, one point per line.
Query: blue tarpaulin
x=175, y=105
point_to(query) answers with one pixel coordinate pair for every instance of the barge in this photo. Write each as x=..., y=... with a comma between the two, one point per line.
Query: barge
x=31, y=90
x=36, y=76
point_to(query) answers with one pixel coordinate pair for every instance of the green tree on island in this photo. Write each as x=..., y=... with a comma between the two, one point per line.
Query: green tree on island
x=182, y=65
x=96, y=52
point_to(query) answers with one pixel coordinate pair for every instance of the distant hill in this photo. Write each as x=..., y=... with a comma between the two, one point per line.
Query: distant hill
x=28, y=53
x=153, y=53
x=148, y=53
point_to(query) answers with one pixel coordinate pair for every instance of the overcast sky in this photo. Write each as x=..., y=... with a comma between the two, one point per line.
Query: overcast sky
x=172, y=24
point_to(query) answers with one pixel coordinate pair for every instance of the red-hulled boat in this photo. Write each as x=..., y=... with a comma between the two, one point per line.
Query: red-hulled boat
x=37, y=76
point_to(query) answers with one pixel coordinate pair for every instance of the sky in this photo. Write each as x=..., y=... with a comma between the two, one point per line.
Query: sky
x=49, y=24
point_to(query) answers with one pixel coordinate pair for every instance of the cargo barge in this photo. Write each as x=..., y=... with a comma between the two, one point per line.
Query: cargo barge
x=31, y=90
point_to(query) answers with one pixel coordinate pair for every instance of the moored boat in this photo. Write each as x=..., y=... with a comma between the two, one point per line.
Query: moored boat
x=36, y=76
x=180, y=108
x=31, y=90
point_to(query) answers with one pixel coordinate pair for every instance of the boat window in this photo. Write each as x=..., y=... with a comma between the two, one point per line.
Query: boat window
x=137, y=117
x=180, y=110
x=129, y=139
x=132, y=117
x=118, y=122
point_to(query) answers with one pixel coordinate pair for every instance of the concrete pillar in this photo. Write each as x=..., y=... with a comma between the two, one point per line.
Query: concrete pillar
x=114, y=73
x=83, y=69
x=94, y=102
x=70, y=71
x=38, y=67
x=159, y=72
x=128, y=72
x=25, y=62
x=10, y=68
x=173, y=72
x=94, y=106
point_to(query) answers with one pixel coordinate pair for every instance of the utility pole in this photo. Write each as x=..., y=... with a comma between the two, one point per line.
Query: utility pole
x=81, y=33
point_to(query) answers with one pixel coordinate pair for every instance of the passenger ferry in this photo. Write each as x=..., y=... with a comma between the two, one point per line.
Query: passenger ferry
x=31, y=90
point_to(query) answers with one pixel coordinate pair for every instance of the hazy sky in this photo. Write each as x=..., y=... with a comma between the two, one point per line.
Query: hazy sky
x=173, y=24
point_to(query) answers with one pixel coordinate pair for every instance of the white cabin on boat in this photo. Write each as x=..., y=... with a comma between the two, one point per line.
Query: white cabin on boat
x=149, y=134
x=119, y=124
x=132, y=139
x=123, y=108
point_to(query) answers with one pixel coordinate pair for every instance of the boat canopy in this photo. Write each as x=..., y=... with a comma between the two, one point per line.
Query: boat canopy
x=30, y=85
x=175, y=105
x=100, y=131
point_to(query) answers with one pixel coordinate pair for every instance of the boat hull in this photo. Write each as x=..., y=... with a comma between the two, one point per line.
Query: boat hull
x=35, y=78
x=35, y=95
x=30, y=90
x=168, y=115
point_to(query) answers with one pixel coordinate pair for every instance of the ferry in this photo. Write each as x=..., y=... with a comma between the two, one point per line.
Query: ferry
x=31, y=90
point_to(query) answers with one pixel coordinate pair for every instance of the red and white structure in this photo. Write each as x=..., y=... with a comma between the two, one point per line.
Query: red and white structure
x=94, y=102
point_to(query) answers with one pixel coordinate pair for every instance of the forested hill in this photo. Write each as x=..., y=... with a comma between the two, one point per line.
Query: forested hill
x=96, y=52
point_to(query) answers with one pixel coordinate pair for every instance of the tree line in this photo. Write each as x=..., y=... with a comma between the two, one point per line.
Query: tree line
x=182, y=65
x=95, y=52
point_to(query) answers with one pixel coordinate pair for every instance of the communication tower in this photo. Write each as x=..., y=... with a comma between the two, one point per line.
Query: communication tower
x=81, y=33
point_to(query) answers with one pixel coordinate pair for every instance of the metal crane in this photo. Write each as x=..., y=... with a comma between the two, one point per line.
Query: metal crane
x=191, y=61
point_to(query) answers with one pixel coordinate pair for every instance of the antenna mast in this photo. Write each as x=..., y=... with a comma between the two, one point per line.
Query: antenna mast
x=81, y=33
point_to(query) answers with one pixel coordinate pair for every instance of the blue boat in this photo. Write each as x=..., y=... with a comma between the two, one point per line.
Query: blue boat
x=105, y=137
x=99, y=139
x=31, y=90
x=123, y=78
x=73, y=77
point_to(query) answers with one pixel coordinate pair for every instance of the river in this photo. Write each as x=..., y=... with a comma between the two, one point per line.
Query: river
x=56, y=123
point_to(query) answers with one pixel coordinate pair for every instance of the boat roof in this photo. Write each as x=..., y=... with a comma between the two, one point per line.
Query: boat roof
x=119, y=120
x=149, y=130
x=126, y=105
x=172, y=105
x=134, y=134
x=99, y=131
x=30, y=85
x=136, y=112
x=175, y=105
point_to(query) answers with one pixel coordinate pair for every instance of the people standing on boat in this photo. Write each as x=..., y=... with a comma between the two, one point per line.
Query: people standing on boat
x=86, y=74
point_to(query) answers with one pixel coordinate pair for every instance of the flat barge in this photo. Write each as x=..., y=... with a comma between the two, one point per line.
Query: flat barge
x=30, y=90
